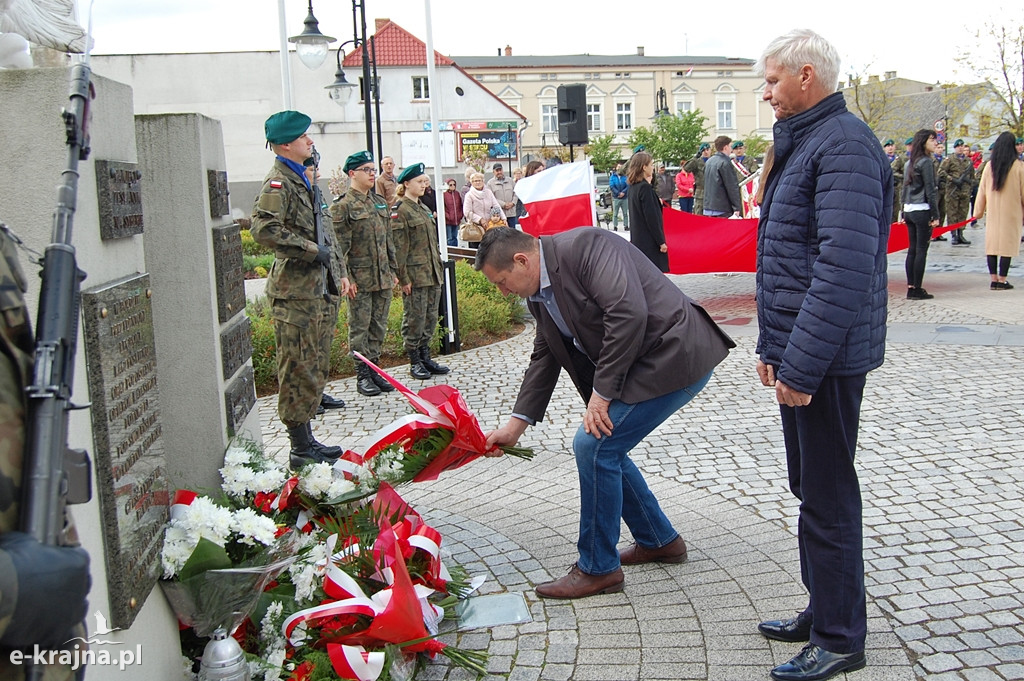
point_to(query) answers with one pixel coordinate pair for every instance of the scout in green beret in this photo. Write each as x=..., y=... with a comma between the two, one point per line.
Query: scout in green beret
x=910, y=140
x=357, y=159
x=737, y=144
x=703, y=146
x=286, y=126
x=889, y=142
x=413, y=171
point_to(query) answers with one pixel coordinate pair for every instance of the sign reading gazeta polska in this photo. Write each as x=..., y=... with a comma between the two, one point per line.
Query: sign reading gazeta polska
x=496, y=144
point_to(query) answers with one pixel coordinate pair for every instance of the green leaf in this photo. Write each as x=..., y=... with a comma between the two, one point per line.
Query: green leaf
x=206, y=556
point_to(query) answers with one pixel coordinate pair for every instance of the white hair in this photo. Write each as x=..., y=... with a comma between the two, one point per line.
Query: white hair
x=803, y=46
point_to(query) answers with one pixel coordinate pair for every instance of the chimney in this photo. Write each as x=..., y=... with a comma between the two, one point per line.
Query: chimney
x=640, y=50
x=508, y=50
x=379, y=24
x=499, y=51
x=889, y=75
x=872, y=79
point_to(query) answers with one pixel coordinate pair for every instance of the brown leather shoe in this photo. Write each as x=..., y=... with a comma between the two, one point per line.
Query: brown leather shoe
x=672, y=552
x=578, y=584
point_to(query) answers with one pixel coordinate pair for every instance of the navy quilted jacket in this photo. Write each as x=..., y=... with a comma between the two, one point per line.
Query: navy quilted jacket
x=821, y=248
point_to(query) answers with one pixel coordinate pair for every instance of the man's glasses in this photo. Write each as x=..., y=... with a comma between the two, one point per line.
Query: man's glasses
x=367, y=170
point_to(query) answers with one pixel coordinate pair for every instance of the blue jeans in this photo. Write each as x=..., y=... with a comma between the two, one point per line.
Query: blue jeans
x=620, y=205
x=453, y=234
x=611, y=486
x=686, y=204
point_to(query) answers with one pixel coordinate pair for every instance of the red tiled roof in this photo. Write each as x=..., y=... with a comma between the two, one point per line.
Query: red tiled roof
x=394, y=46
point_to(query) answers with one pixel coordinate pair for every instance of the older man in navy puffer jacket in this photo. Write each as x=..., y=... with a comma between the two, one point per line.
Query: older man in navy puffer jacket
x=821, y=306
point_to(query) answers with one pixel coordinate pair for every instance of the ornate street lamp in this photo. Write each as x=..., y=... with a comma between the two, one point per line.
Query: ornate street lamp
x=340, y=90
x=311, y=44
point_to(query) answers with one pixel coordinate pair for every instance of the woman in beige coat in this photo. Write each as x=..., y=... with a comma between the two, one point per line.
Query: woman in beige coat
x=1001, y=191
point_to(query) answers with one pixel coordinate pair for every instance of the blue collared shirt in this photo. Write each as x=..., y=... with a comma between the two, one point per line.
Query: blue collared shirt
x=299, y=169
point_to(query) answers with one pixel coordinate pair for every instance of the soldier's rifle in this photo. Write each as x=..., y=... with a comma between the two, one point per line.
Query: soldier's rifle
x=54, y=474
x=318, y=218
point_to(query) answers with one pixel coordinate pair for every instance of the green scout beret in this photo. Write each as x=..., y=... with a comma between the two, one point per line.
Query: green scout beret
x=357, y=159
x=703, y=146
x=888, y=142
x=991, y=145
x=910, y=140
x=737, y=144
x=639, y=148
x=286, y=126
x=412, y=172
x=1020, y=140
x=958, y=143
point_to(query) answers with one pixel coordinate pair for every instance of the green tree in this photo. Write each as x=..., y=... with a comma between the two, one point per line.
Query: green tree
x=756, y=144
x=672, y=138
x=603, y=153
x=997, y=55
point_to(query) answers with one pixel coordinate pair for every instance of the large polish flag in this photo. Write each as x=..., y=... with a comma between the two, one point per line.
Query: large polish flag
x=557, y=199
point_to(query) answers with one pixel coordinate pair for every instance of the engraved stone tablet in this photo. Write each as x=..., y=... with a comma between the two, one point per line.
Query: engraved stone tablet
x=239, y=398
x=235, y=346
x=218, y=183
x=228, y=273
x=129, y=450
x=119, y=195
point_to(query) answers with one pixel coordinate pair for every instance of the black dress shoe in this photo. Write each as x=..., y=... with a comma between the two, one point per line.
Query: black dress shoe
x=791, y=631
x=814, y=663
x=329, y=402
x=320, y=411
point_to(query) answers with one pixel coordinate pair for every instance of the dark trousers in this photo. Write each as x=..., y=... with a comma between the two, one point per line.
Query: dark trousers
x=920, y=234
x=821, y=440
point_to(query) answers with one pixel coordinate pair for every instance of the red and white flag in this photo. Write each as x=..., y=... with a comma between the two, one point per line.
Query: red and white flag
x=558, y=199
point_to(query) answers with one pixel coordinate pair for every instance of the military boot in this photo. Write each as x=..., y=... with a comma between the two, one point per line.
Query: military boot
x=302, y=452
x=327, y=452
x=416, y=367
x=364, y=380
x=381, y=382
x=961, y=238
x=432, y=366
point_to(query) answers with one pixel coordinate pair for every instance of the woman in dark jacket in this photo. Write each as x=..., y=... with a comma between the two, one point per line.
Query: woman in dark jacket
x=920, y=209
x=645, y=226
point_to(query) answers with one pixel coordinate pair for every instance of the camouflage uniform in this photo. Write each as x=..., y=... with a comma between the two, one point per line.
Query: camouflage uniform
x=897, y=166
x=363, y=226
x=750, y=164
x=419, y=264
x=387, y=188
x=16, y=348
x=304, y=323
x=958, y=174
x=696, y=166
x=941, y=182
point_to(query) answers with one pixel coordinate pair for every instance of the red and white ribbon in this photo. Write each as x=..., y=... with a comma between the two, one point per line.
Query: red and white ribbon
x=183, y=498
x=353, y=662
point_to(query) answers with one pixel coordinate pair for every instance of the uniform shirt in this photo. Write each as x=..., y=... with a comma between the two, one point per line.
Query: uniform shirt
x=416, y=251
x=362, y=223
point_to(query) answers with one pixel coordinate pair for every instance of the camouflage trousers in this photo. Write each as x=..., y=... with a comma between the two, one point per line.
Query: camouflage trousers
x=956, y=207
x=897, y=202
x=368, y=322
x=303, y=330
x=419, y=316
x=698, y=202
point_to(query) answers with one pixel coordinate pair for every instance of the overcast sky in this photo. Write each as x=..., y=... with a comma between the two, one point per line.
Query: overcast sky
x=917, y=40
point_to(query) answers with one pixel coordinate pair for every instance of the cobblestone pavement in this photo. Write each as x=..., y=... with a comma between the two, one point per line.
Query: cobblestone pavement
x=939, y=453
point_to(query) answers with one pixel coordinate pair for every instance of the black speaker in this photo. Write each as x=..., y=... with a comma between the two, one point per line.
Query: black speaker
x=572, y=114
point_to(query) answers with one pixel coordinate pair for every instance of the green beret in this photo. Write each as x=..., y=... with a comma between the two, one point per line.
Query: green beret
x=958, y=143
x=1020, y=140
x=703, y=146
x=286, y=126
x=888, y=142
x=357, y=159
x=412, y=172
x=910, y=140
x=639, y=148
x=737, y=144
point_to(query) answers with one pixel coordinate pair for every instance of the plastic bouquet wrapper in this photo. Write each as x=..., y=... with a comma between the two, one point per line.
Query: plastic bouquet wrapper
x=443, y=436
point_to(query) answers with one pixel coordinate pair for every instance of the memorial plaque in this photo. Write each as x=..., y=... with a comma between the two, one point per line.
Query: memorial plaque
x=129, y=450
x=239, y=398
x=235, y=346
x=228, y=272
x=119, y=195
x=218, y=183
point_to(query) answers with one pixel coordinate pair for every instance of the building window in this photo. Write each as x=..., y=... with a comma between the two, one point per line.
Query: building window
x=507, y=77
x=623, y=116
x=725, y=120
x=548, y=118
x=420, y=87
x=549, y=76
x=725, y=74
x=594, y=123
x=985, y=126
x=684, y=106
x=964, y=131
x=623, y=74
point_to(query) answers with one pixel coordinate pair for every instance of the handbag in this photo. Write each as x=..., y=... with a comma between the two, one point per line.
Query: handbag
x=470, y=232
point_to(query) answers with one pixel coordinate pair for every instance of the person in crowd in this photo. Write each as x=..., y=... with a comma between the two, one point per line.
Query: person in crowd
x=532, y=168
x=429, y=198
x=745, y=162
x=283, y=219
x=419, y=270
x=721, y=190
x=684, y=189
x=889, y=146
x=363, y=225
x=940, y=181
x=619, y=188
x=479, y=203
x=386, y=186
x=821, y=310
x=665, y=185
x=976, y=158
x=1020, y=148
x=452, y=212
x=1001, y=195
x=465, y=187
x=920, y=209
x=766, y=169
x=695, y=166
x=503, y=189
x=647, y=231
x=517, y=174
x=957, y=174
x=636, y=348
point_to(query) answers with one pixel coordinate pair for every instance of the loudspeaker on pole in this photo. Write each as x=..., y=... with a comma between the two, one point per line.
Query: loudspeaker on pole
x=572, y=114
